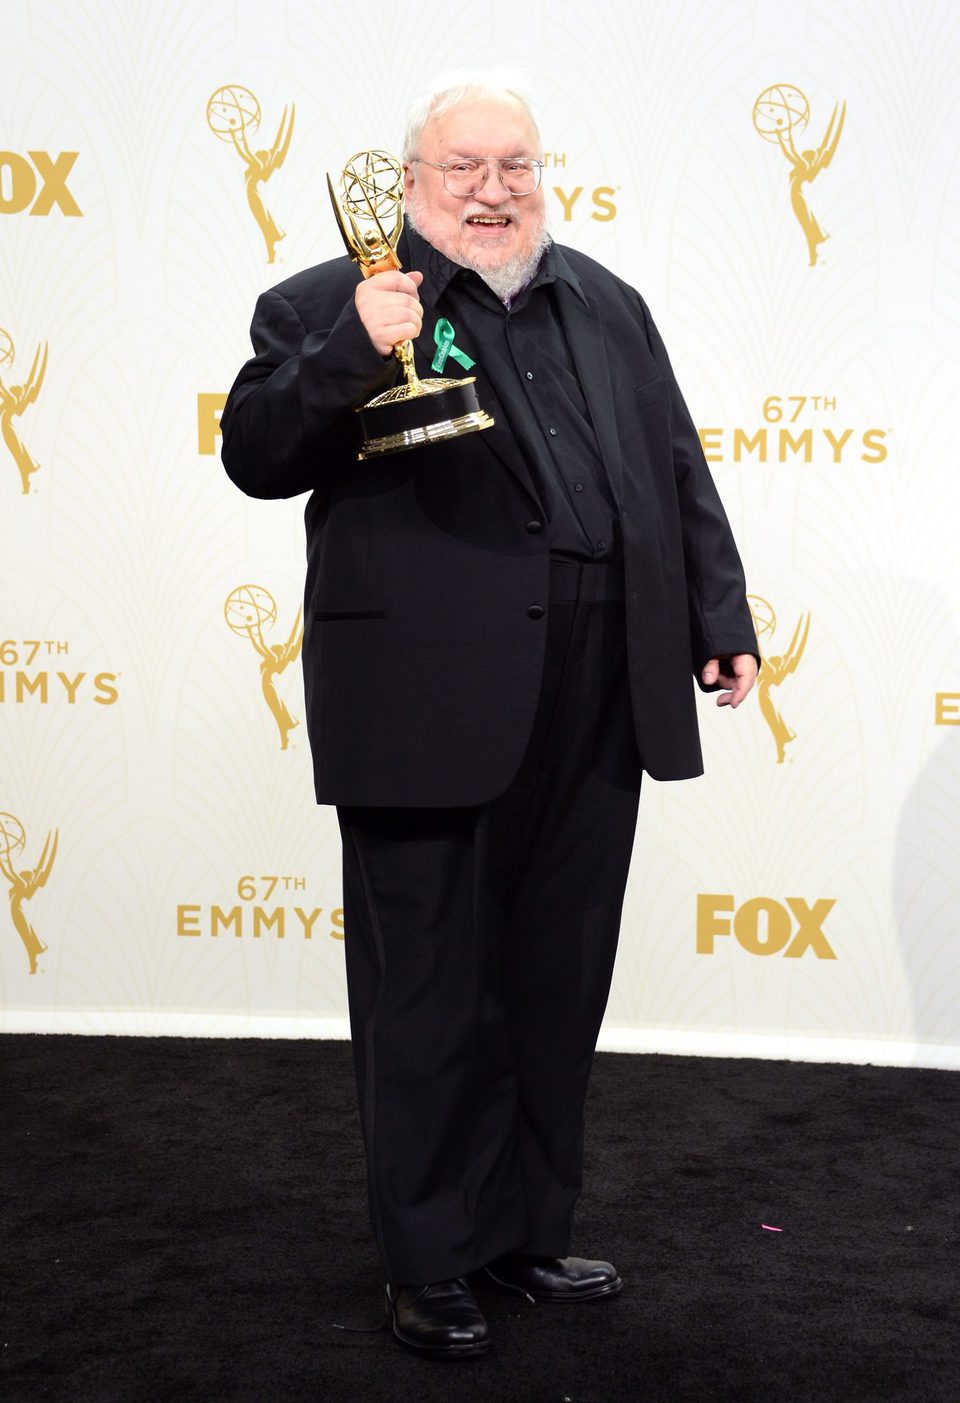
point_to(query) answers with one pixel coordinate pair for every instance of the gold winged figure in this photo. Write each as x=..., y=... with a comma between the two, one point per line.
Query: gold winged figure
x=274, y=658
x=24, y=885
x=805, y=167
x=233, y=114
x=14, y=399
x=776, y=669
x=247, y=609
x=260, y=167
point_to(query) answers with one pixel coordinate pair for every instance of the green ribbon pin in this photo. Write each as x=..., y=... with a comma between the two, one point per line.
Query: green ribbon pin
x=443, y=334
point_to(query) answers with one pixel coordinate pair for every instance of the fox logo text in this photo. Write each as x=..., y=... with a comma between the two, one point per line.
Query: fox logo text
x=37, y=183
x=763, y=926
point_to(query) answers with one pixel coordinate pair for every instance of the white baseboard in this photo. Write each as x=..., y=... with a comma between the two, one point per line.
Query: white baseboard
x=790, y=1047
x=680, y=1042
x=172, y=1025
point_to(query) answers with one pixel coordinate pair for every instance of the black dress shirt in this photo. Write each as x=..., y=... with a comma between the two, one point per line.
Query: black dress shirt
x=524, y=351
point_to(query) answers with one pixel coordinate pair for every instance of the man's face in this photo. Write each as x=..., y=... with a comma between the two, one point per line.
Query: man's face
x=490, y=127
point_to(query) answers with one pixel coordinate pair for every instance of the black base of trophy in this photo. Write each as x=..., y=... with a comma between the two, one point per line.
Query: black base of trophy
x=399, y=420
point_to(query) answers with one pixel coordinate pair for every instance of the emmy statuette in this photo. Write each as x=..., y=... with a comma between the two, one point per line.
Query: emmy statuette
x=369, y=215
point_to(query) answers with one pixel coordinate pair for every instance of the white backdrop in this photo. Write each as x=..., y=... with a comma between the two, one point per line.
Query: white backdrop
x=800, y=904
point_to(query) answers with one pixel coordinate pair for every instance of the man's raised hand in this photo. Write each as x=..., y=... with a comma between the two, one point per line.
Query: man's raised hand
x=389, y=307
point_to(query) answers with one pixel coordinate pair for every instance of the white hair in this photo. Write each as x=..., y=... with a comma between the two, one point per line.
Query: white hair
x=464, y=86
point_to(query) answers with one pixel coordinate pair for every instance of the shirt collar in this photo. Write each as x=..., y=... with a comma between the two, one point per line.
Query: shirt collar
x=439, y=270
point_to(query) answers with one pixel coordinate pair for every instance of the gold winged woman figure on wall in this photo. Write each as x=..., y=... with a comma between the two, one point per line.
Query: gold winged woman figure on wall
x=14, y=399
x=233, y=114
x=247, y=610
x=780, y=113
x=777, y=667
x=26, y=883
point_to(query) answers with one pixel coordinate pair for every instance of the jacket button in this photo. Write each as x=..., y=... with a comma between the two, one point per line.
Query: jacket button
x=534, y=527
x=535, y=611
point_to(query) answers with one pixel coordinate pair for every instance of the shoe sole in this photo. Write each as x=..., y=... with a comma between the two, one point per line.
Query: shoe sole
x=609, y=1288
x=441, y=1351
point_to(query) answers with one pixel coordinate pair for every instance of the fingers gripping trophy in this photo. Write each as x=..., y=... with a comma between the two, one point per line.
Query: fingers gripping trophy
x=369, y=212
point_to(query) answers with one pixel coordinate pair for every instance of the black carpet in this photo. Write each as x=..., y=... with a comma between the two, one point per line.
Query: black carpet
x=183, y=1219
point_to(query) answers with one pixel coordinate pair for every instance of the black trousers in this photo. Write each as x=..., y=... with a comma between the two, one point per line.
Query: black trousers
x=480, y=944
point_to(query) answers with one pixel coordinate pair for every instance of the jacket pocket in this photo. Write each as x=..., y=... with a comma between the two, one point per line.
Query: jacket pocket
x=651, y=391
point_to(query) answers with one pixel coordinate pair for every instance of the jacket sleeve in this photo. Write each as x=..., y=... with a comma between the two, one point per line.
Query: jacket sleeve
x=289, y=421
x=720, y=620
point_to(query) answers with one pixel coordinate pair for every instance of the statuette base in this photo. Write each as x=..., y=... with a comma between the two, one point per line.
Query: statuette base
x=393, y=422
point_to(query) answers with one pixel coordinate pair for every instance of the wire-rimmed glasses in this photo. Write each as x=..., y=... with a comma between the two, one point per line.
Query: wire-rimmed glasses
x=519, y=175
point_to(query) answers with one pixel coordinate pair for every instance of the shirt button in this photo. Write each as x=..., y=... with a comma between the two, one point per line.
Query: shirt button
x=529, y=374
x=553, y=433
x=535, y=611
x=534, y=527
x=578, y=487
x=601, y=545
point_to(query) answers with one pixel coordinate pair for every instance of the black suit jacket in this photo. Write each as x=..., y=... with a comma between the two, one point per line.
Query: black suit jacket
x=422, y=662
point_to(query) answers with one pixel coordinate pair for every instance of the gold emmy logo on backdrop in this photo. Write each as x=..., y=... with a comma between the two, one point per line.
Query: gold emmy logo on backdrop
x=14, y=400
x=233, y=114
x=780, y=114
x=248, y=610
x=24, y=884
x=776, y=668
x=369, y=214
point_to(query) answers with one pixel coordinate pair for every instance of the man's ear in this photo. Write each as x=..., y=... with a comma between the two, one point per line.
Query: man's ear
x=408, y=180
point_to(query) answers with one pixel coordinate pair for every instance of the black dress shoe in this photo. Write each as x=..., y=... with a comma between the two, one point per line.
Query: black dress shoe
x=441, y=1319
x=553, y=1278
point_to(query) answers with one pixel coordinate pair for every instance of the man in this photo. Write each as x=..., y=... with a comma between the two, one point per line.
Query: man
x=500, y=634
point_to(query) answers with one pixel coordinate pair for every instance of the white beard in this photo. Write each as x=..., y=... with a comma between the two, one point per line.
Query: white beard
x=506, y=280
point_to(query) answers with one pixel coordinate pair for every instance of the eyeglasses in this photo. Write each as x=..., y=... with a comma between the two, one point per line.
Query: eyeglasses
x=518, y=175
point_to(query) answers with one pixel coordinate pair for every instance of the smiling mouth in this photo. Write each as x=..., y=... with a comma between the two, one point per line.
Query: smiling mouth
x=488, y=221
